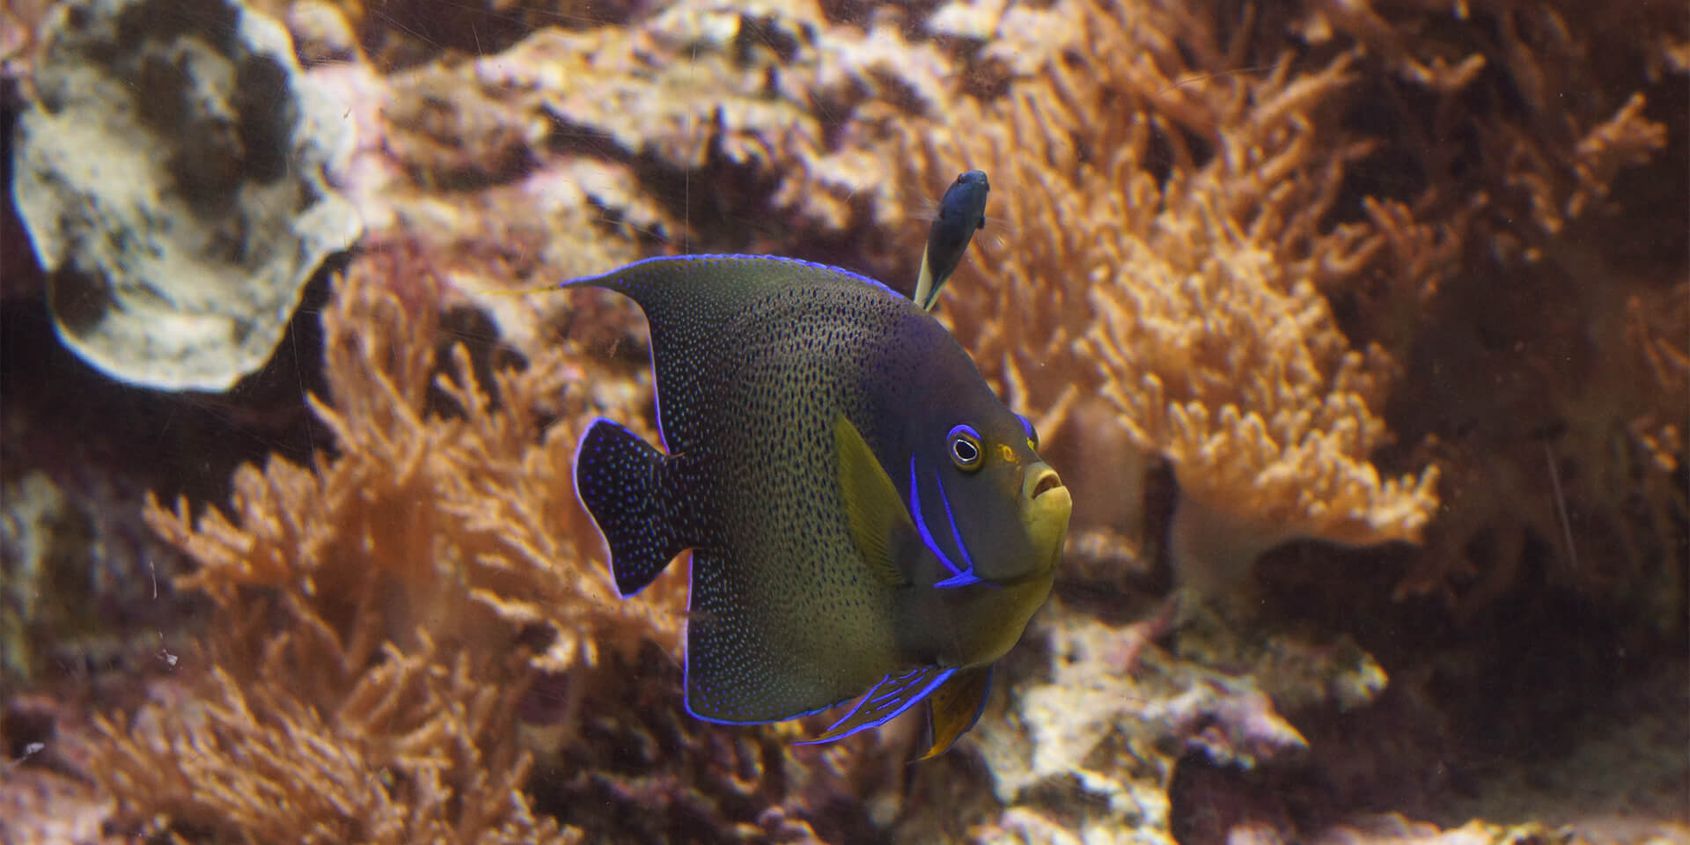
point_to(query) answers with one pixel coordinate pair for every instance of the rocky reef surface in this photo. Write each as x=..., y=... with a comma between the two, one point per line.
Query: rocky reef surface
x=1357, y=328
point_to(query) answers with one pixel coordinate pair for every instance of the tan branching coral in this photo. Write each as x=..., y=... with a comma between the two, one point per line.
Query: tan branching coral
x=1272, y=233
x=1551, y=101
x=1189, y=300
x=1314, y=259
x=462, y=509
x=413, y=750
x=1551, y=152
x=379, y=613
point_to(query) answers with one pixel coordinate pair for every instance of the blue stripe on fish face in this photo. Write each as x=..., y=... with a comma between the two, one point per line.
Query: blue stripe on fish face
x=964, y=428
x=966, y=576
x=960, y=576
x=961, y=579
x=921, y=522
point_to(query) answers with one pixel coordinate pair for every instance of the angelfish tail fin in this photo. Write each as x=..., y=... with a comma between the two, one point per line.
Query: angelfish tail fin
x=626, y=485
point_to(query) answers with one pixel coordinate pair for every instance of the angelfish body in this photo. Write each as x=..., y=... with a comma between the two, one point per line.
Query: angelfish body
x=865, y=516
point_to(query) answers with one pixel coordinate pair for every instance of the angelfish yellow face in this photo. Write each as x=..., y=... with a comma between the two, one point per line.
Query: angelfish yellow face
x=1002, y=514
x=1045, y=503
x=1045, y=508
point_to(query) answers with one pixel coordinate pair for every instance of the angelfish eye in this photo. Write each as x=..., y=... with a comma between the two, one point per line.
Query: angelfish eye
x=964, y=444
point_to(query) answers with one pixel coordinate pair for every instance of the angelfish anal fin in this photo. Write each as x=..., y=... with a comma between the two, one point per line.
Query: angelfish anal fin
x=878, y=521
x=885, y=701
x=954, y=708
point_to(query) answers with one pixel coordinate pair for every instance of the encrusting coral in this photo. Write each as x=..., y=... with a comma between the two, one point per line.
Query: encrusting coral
x=171, y=179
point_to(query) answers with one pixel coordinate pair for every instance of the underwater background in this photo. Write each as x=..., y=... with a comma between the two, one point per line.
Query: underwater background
x=1359, y=331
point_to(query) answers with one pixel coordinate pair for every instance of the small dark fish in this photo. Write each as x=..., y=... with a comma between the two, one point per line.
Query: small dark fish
x=866, y=518
x=961, y=212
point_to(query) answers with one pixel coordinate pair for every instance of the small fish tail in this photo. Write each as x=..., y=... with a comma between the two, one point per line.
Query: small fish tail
x=623, y=481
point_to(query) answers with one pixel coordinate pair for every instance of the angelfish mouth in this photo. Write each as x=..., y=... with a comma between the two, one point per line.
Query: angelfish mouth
x=1047, y=482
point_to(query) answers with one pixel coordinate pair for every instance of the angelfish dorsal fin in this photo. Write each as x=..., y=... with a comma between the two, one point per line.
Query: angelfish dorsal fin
x=873, y=509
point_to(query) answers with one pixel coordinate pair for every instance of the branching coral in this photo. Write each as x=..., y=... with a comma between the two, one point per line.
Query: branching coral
x=361, y=602
x=1273, y=232
x=1548, y=135
x=1318, y=258
x=401, y=624
x=1189, y=299
x=414, y=749
x=1549, y=103
x=459, y=513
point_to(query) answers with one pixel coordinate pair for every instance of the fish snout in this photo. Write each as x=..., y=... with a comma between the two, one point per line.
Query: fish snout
x=1041, y=479
x=1045, y=507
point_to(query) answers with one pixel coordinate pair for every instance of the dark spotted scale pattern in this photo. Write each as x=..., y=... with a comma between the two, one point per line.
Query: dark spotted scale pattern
x=754, y=360
x=621, y=480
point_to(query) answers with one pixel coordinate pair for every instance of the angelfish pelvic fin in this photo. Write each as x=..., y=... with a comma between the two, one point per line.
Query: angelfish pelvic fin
x=879, y=524
x=954, y=708
x=885, y=701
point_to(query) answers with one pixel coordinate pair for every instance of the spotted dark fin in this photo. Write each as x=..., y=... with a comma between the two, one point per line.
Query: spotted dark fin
x=629, y=488
x=886, y=701
x=954, y=708
x=879, y=523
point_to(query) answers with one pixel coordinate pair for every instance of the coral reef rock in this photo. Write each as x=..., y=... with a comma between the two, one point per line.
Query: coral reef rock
x=1086, y=745
x=170, y=173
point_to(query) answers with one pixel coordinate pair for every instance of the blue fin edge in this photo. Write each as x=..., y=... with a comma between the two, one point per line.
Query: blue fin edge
x=575, y=487
x=717, y=256
x=932, y=685
x=686, y=684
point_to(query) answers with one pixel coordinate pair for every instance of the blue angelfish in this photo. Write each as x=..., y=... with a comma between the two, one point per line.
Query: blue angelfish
x=866, y=518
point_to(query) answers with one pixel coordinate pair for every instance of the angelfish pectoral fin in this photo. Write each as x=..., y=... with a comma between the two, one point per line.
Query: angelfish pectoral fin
x=886, y=701
x=873, y=510
x=954, y=708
